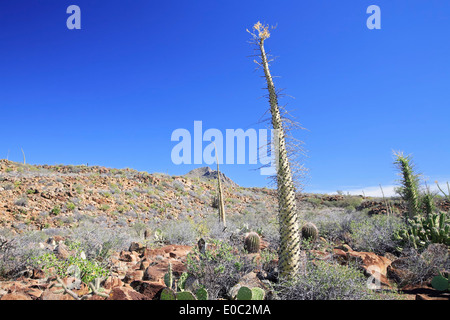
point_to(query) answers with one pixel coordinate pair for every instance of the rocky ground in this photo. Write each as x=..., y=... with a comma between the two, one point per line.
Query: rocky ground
x=162, y=217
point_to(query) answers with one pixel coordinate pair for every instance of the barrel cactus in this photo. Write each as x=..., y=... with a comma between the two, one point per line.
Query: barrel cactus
x=310, y=232
x=252, y=242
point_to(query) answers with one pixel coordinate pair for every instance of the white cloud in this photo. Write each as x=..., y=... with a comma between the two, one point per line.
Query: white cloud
x=389, y=190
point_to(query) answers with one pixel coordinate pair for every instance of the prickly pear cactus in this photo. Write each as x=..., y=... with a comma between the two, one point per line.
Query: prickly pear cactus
x=310, y=232
x=168, y=294
x=244, y=293
x=258, y=294
x=440, y=283
x=252, y=242
x=185, y=295
x=202, y=294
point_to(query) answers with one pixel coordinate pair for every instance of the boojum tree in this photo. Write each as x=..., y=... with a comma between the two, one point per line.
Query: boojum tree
x=222, y=218
x=289, y=251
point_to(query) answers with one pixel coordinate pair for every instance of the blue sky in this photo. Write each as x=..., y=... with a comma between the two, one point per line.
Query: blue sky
x=112, y=93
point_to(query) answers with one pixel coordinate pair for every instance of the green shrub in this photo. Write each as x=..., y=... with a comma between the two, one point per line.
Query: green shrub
x=326, y=281
x=56, y=210
x=219, y=268
x=88, y=270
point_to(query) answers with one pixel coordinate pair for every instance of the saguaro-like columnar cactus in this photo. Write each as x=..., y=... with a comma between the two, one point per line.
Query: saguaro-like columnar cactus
x=289, y=251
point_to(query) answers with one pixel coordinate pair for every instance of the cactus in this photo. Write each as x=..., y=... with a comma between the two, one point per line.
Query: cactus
x=168, y=294
x=409, y=190
x=440, y=283
x=428, y=204
x=168, y=277
x=244, y=293
x=421, y=231
x=258, y=294
x=181, y=283
x=289, y=251
x=220, y=204
x=202, y=294
x=310, y=232
x=185, y=295
x=94, y=286
x=252, y=242
x=447, y=195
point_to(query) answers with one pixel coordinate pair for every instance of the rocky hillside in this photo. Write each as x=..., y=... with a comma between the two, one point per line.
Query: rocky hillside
x=126, y=228
x=50, y=196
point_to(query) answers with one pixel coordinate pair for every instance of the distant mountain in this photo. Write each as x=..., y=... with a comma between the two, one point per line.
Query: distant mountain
x=210, y=174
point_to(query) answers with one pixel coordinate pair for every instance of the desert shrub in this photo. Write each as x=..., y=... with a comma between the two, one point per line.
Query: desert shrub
x=325, y=281
x=179, y=232
x=219, y=268
x=375, y=234
x=16, y=252
x=348, y=202
x=98, y=241
x=420, y=267
x=334, y=224
x=21, y=202
x=87, y=270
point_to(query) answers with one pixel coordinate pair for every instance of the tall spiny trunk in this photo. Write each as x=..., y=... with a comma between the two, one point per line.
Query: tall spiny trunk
x=289, y=251
x=222, y=218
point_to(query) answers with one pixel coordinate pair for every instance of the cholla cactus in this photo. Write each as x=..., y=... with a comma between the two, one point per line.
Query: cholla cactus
x=422, y=231
x=168, y=277
x=95, y=287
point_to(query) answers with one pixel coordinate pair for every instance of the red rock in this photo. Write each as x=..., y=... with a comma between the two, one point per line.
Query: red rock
x=50, y=295
x=112, y=282
x=38, y=274
x=144, y=264
x=15, y=296
x=370, y=259
x=134, y=275
x=34, y=293
x=150, y=289
x=151, y=253
x=123, y=293
x=127, y=256
x=154, y=273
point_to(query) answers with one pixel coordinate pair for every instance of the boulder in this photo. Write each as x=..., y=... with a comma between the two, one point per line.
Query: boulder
x=15, y=296
x=124, y=293
x=150, y=289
